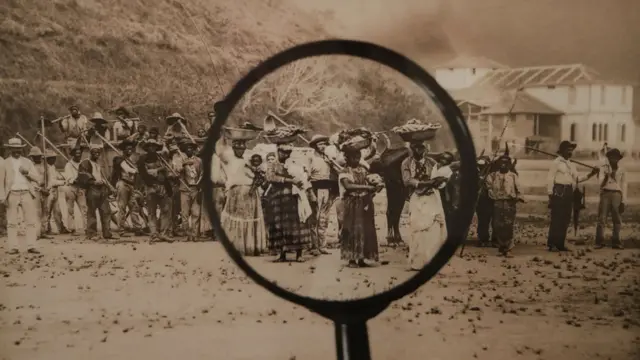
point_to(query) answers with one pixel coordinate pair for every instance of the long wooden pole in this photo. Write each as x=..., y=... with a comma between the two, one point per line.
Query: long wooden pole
x=44, y=152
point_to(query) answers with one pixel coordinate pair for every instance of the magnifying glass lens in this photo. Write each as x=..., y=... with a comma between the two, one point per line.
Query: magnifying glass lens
x=337, y=177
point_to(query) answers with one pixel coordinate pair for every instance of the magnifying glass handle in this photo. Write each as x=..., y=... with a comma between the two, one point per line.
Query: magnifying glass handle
x=352, y=341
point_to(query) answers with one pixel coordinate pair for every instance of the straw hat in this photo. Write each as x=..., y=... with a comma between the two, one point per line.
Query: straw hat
x=14, y=143
x=35, y=151
x=173, y=118
x=125, y=143
x=149, y=142
x=565, y=145
x=98, y=118
x=50, y=154
x=318, y=139
x=96, y=147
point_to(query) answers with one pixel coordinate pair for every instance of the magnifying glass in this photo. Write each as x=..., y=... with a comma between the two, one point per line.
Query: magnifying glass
x=281, y=190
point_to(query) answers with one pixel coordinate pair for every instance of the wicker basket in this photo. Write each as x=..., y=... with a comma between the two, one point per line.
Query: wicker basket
x=422, y=135
x=358, y=145
x=279, y=139
x=239, y=134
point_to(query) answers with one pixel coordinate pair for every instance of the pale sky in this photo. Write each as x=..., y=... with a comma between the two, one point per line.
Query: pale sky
x=604, y=34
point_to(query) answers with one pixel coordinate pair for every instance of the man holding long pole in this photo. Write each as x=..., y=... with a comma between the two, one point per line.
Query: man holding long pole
x=562, y=178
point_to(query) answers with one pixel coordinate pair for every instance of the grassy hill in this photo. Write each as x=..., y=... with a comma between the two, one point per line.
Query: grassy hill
x=149, y=56
x=101, y=54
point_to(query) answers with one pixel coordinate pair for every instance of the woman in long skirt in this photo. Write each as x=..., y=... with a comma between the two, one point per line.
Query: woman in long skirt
x=502, y=187
x=286, y=230
x=427, y=217
x=242, y=218
x=358, y=239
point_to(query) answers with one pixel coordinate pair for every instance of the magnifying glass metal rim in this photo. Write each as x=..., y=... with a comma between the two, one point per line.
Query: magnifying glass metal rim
x=365, y=308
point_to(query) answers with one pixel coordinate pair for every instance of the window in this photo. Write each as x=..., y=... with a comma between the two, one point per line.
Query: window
x=605, y=132
x=599, y=132
x=603, y=95
x=623, y=134
x=572, y=95
x=572, y=133
x=594, y=132
x=623, y=99
x=536, y=125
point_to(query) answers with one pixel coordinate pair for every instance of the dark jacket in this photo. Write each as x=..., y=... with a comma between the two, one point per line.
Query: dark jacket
x=150, y=180
x=85, y=175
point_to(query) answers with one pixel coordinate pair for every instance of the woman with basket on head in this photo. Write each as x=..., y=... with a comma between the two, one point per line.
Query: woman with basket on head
x=357, y=233
x=287, y=199
x=241, y=217
x=419, y=174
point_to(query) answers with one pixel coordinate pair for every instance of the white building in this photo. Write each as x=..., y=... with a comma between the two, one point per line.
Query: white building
x=554, y=103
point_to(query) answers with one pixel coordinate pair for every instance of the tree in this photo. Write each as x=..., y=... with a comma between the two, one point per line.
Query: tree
x=305, y=88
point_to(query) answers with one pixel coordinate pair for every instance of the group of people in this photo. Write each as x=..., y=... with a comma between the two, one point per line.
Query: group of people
x=269, y=203
x=150, y=187
x=500, y=192
x=283, y=205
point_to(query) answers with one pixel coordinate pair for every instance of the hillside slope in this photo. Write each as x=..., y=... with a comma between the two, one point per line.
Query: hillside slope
x=102, y=54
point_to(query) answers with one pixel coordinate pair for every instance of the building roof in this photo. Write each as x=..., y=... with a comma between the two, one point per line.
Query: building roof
x=573, y=74
x=496, y=101
x=470, y=62
x=523, y=104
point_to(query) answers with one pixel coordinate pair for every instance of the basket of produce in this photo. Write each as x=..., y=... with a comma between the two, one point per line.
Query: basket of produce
x=415, y=130
x=283, y=135
x=356, y=143
x=234, y=133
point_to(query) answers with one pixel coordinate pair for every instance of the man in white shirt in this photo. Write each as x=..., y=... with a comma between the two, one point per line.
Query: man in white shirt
x=42, y=193
x=74, y=125
x=124, y=176
x=125, y=125
x=324, y=180
x=17, y=179
x=613, y=196
x=562, y=180
x=54, y=181
x=74, y=194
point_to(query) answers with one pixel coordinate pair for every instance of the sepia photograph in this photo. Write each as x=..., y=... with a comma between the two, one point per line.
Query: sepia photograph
x=298, y=179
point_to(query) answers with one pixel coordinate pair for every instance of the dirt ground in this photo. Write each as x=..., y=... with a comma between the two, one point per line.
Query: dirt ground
x=131, y=300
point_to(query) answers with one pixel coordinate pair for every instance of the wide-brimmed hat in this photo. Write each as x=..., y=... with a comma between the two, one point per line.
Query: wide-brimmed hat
x=50, y=154
x=285, y=147
x=173, y=118
x=614, y=153
x=35, y=151
x=187, y=144
x=565, y=145
x=122, y=110
x=150, y=142
x=15, y=143
x=316, y=139
x=483, y=160
x=97, y=118
x=503, y=158
x=125, y=143
x=96, y=147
